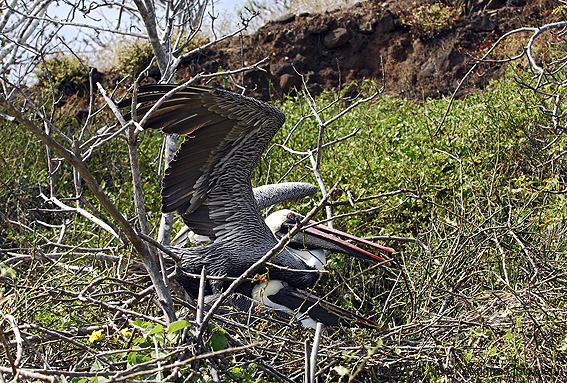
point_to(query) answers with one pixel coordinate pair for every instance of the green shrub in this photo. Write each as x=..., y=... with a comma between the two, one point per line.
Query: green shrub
x=65, y=73
x=430, y=19
x=134, y=58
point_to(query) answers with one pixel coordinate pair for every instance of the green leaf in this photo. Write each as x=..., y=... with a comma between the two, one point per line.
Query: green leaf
x=155, y=330
x=7, y=271
x=140, y=323
x=152, y=329
x=341, y=370
x=135, y=358
x=160, y=336
x=97, y=366
x=172, y=337
x=179, y=325
x=132, y=358
x=218, y=342
x=217, y=330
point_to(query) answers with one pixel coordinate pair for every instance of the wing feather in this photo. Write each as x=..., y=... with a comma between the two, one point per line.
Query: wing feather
x=208, y=181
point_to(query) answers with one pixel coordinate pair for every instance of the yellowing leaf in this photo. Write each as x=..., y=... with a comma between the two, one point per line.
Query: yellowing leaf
x=341, y=370
x=96, y=336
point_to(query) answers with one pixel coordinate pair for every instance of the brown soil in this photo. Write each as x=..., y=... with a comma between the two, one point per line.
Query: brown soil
x=339, y=46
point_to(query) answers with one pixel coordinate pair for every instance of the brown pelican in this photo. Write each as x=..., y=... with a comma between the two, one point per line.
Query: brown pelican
x=312, y=246
x=208, y=183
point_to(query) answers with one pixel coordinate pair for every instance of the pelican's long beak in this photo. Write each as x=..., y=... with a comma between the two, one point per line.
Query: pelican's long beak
x=309, y=306
x=324, y=237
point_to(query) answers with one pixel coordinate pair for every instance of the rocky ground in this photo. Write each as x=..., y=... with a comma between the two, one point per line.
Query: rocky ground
x=336, y=47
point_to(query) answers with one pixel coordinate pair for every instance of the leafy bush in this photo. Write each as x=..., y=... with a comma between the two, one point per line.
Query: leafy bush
x=65, y=73
x=134, y=57
x=430, y=19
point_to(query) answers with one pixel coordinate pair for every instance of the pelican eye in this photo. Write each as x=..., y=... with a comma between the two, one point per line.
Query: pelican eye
x=291, y=216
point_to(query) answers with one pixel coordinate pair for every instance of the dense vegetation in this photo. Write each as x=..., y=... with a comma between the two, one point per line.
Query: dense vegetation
x=482, y=299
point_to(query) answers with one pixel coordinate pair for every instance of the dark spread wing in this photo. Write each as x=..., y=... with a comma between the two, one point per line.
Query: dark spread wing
x=208, y=181
x=265, y=196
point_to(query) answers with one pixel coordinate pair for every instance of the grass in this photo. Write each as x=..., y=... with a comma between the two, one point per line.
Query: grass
x=486, y=303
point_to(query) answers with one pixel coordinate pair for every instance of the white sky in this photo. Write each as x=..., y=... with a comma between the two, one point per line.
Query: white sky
x=80, y=39
x=228, y=5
